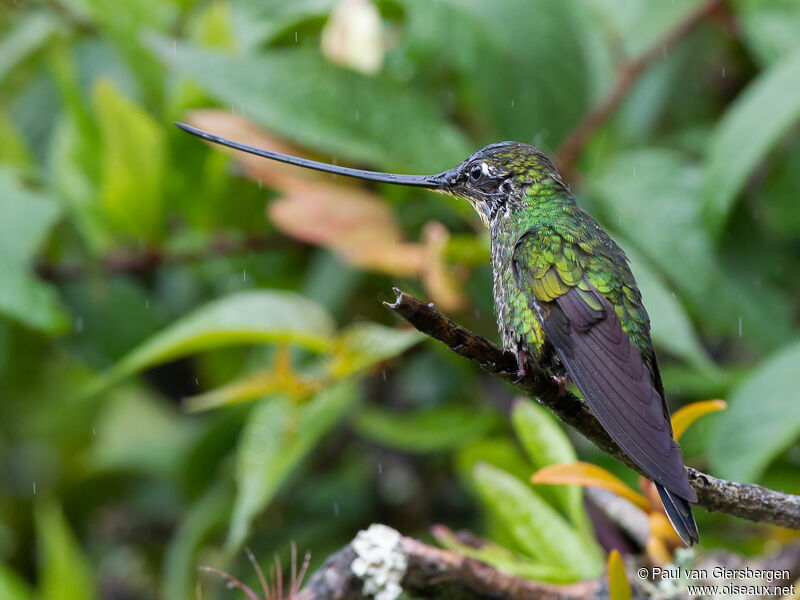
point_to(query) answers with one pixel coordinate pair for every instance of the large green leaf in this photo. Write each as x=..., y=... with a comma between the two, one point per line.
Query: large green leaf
x=245, y=318
x=545, y=443
x=652, y=197
x=133, y=164
x=538, y=528
x=296, y=94
x=278, y=434
x=504, y=559
x=752, y=125
x=762, y=419
x=64, y=572
x=529, y=76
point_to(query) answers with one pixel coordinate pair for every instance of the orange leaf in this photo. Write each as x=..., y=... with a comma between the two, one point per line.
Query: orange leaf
x=687, y=415
x=661, y=528
x=657, y=551
x=587, y=474
x=618, y=586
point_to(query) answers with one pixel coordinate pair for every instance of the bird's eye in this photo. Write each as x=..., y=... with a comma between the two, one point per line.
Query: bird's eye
x=505, y=187
x=476, y=172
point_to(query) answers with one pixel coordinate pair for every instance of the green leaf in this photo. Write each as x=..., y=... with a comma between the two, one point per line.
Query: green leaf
x=28, y=300
x=124, y=23
x=545, y=443
x=652, y=196
x=213, y=27
x=13, y=586
x=533, y=91
x=364, y=345
x=536, y=527
x=13, y=149
x=499, y=452
x=769, y=27
x=136, y=433
x=296, y=94
x=277, y=436
x=133, y=164
x=259, y=22
x=73, y=184
x=752, y=125
x=505, y=560
x=254, y=317
x=762, y=419
x=27, y=36
x=64, y=572
x=26, y=218
x=637, y=26
x=425, y=431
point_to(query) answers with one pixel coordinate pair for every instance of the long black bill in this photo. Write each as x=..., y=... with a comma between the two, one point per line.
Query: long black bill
x=437, y=181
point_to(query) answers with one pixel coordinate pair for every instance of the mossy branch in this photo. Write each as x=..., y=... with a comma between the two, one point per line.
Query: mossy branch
x=744, y=500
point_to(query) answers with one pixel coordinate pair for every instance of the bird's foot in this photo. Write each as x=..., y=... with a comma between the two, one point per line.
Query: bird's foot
x=522, y=366
x=561, y=382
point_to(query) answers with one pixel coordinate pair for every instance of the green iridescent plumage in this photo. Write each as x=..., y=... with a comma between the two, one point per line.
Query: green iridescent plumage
x=564, y=296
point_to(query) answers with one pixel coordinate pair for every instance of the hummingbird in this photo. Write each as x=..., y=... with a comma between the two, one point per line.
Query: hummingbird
x=564, y=296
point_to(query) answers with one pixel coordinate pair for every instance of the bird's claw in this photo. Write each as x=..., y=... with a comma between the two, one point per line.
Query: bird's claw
x=561, y=382
x=522, y=368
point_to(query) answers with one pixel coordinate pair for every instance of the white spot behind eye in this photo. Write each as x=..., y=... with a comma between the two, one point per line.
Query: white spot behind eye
x=485, y=168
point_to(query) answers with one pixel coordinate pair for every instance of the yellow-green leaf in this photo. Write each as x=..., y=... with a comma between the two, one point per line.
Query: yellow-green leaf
x=546, y=444
x=253, y=317
x=587, y=474
x=685, y=416
x=276, y=437
x=535, y=526
x=13, y=586
x=762, y=113
x=133, y=164
x=64, y=572
x=618, y=586
x=504, y=559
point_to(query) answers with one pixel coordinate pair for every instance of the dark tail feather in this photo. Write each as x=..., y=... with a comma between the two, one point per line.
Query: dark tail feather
x=679, y=512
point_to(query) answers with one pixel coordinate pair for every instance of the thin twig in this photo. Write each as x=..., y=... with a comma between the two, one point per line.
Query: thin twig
x=744, y=500
x=574, y=143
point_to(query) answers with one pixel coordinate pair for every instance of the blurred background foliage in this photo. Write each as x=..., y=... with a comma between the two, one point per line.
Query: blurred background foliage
x=193, y=350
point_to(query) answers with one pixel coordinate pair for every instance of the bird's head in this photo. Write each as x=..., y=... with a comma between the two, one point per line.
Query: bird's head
x=494, y=180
